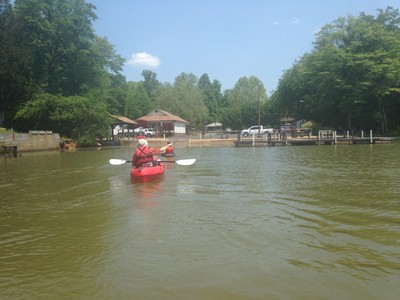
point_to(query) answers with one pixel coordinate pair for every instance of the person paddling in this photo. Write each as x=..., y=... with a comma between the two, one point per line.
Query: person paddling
x=144, y=155
x=169, y=151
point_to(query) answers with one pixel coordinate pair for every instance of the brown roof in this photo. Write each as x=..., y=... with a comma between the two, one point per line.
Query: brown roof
x=287, y=119
x=159, y=115
x=124, y=120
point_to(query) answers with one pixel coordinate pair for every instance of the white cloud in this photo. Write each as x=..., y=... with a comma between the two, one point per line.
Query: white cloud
x=144, y=60
x=295, y=21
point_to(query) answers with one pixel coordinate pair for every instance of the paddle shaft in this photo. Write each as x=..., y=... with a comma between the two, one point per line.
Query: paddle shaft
x=164, y=161
x=184, y=162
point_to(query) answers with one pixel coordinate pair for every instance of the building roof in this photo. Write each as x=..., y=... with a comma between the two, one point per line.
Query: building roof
x=287, y=119
x=215, y=124
x=123, y=120
x=159, y=115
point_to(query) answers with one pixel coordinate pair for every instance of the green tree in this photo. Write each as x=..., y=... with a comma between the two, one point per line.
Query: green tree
x=59, y=36
x=137, y=100
x=50, y=47
x=212, y=97
x=15, y=64
x=184, y=99
x=77, y=117
x=243, y=103
x=150, y=82
x=351, y=78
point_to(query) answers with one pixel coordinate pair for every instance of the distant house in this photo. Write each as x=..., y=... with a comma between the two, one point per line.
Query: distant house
x=163, y=122
x=214, y=126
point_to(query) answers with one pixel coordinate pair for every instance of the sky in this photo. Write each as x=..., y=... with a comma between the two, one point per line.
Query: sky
x=227, y=39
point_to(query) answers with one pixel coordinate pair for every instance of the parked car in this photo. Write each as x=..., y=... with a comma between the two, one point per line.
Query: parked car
x=255, y=130
x=147, y=132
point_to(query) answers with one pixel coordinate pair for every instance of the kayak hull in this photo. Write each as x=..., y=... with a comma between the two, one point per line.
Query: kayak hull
x=147, y=173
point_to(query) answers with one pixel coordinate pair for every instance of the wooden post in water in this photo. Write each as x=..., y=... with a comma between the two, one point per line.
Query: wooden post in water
x=254, y=140
x=334, y=137
x=371, y=140
x=15, y=151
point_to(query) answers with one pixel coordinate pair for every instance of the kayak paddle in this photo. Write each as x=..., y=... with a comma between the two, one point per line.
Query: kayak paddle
x=182, y=162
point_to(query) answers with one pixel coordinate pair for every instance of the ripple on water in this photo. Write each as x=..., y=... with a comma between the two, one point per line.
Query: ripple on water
x=283, y=222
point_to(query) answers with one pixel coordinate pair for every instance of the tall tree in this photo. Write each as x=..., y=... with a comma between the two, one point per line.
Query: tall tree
x=351, y=79
x=184, y=99
x=212, y=97
x=150, y=82
x=137, y=100
x=15, y=65
x=59, y=35
x=243, y=103
x=50, y=47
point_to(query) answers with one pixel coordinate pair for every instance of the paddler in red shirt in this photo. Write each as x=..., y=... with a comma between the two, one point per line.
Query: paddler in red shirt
x=169, y=151
x=144, y=155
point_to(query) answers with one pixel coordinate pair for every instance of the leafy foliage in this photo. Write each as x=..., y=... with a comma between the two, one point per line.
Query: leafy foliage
x=352, y=77
x=184, y=99
x=74, y=116
x=137, y=100
x=57, y=74
x=51, y=49
x=212, y=97
x=243, y=103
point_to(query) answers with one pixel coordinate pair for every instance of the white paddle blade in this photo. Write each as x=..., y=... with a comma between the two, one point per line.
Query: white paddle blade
x=185, y=162
x=117, y=162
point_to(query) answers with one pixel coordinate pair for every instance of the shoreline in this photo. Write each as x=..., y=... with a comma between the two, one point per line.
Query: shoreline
x=184, y=142
x=262, y=142
x=17, y=149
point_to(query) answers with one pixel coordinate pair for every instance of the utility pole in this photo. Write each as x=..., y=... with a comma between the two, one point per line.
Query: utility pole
x=259, y=108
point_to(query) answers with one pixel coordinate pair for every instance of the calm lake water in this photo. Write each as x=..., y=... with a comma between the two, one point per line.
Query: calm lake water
x=309, y=222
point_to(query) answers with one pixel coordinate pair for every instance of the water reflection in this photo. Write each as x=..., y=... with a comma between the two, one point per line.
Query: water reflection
x=148, y=190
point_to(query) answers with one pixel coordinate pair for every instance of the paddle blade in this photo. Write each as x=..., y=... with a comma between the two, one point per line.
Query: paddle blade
x=185, y=162
x=117, y=162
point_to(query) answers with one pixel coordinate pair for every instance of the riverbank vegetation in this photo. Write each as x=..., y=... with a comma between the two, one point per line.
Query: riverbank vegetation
x=57, y=74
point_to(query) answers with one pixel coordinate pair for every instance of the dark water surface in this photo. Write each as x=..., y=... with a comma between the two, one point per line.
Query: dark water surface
x=317, y=222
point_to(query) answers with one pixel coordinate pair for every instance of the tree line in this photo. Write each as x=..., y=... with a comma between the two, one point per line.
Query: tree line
x=351, y=78
x=57, y=74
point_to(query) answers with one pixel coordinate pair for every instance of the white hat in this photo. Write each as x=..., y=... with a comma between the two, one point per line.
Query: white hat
x=142, y=142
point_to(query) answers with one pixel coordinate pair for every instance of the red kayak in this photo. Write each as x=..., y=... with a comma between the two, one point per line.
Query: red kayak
x=147, y=173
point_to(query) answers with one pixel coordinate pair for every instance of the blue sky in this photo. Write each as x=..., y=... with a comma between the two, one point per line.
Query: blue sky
x=227, y=39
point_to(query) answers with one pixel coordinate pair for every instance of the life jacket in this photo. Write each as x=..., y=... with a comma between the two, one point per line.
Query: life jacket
x=142, y=156
x=169, y=150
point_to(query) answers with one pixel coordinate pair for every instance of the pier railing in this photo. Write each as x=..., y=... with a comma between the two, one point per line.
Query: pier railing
x=324, y=137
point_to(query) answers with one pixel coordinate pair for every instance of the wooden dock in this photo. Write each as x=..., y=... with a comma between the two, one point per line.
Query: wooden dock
x=7, y=149
x=332, y=139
